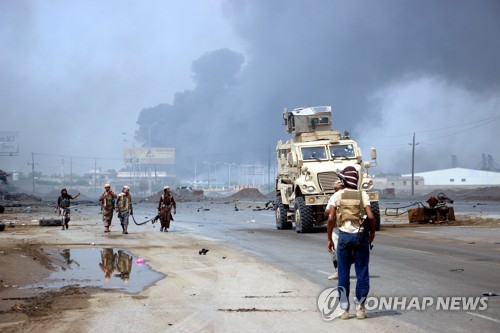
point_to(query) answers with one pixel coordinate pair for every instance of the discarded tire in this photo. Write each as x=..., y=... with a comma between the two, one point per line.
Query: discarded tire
x=2, y=226
x=50, y=222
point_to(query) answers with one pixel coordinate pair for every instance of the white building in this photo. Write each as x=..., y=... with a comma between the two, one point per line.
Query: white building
x=459, y=177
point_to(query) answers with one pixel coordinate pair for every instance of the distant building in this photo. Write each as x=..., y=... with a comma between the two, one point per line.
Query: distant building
x=392, y=185
x=458, y=177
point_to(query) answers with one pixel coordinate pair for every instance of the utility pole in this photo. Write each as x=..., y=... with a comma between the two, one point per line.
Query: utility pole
x=62, y=172
x=95, y=175
x=229, y=174
x=269, y=171
x=413, y=165
x=195, y=174
x=33, y=170
x=208, y=163
x=71, y=172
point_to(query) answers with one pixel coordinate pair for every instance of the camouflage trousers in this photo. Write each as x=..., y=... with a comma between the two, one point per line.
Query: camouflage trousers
x=165, y=217
x=107, y=216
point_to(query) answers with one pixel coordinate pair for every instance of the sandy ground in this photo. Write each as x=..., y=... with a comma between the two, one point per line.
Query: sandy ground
x=225, y=290
x=213, y=292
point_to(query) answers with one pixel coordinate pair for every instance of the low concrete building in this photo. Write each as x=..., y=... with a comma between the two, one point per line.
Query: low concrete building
x=459, y=177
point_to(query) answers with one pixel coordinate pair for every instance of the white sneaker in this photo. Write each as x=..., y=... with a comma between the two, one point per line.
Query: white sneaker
x=334, y=276
x=360, y=311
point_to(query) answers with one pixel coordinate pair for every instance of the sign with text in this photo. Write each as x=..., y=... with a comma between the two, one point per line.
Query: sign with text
x=9, y=143
x=149, y=155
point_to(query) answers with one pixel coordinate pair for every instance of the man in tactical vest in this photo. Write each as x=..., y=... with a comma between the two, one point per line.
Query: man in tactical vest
x=107, y=200
x=356, y=233
x=124, y=208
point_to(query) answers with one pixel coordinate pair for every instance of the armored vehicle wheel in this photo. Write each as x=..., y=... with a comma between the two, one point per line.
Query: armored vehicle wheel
x=304, y=216
x=281, y=215
x=376, y=214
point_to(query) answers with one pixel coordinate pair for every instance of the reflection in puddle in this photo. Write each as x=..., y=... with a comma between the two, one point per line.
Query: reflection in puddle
x=105, y=268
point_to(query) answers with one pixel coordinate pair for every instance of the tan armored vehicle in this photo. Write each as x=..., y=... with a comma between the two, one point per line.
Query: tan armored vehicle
x=308, y=167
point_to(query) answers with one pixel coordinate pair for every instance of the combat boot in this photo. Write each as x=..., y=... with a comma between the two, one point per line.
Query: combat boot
x=345, y=314
x=360, y=311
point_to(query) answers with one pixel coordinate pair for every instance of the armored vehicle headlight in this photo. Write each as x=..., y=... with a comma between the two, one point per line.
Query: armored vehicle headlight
x=310, y=189
x=367, y=185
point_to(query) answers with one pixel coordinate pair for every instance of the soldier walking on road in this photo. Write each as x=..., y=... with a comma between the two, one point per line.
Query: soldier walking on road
x=167, y=202
x=63, y=203
x=107, y=201
x=124, y=208
x=355, y=237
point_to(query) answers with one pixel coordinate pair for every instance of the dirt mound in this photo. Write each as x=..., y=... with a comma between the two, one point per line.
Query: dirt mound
x=180, y=195
x=20, y=197
x=483, y=193
x=248, y=193
x=271, y=195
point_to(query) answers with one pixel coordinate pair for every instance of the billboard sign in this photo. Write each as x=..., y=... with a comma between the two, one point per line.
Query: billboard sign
x=9, y=143
x=149, y=155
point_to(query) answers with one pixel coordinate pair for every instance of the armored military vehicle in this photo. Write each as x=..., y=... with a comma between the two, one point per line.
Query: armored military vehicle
x=308, y=166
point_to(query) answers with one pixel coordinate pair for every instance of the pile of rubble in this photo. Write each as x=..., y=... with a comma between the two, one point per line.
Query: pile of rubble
x=181, y=194
x=16, y=199
x=491, y=193
x=248, y=193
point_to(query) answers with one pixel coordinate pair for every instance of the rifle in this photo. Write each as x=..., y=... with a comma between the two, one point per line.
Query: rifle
x=366, y=229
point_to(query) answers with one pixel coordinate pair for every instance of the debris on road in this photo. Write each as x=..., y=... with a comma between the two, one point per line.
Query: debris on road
x=437, y=212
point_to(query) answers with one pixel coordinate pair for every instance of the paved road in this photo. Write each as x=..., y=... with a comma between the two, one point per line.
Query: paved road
x=408, y=261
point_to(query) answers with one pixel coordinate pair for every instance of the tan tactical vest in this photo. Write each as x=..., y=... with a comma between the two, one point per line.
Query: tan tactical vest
x=350, y=208
x=124, y=202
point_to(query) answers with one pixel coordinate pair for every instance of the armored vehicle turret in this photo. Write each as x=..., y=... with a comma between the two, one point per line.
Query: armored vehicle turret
x=309, y=164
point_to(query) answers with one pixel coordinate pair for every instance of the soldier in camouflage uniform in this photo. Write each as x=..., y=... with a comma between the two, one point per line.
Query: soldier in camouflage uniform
x=107, y=201
x=124, y=208
x=167, y=202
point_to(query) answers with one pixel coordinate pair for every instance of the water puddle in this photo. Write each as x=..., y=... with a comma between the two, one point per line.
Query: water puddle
x=106, y=268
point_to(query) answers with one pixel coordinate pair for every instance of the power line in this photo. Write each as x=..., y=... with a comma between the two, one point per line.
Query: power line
x=485, y=121
x=454, y=133
x=479, y=123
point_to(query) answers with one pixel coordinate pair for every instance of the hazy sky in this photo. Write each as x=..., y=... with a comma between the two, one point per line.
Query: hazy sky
x=74, y=75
